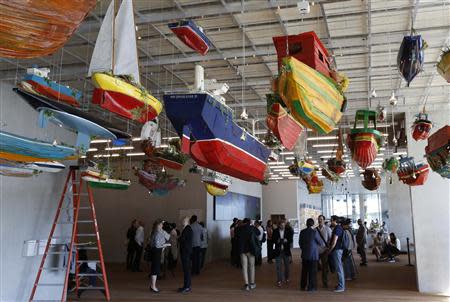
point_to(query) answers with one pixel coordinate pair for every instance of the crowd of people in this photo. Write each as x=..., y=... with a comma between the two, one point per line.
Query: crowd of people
x=165, y=245
x=326, y=247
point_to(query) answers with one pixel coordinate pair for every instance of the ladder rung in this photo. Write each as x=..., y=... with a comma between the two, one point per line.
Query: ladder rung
x=49, y=284
x=65, y=222
x=72, y=208
x=53, y=268
x=86, y=235
x=86, y=261
x=90, y=275
x=85, y=221
x=90, y=287
x=87, y=248
x=45, y=300
x=57, y=253
x=57, y=237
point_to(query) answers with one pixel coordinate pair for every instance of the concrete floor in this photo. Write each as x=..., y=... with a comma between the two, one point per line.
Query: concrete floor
x=379, y=282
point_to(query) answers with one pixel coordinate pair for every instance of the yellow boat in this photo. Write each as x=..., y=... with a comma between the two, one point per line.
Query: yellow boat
x=443, y=66
x=214, y=190
x=312, y=98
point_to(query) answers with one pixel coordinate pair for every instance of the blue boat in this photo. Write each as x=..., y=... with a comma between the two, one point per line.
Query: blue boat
x=192, y=35
x=85, y=128
x=213, y=139
x=22, y=149
x=410, y=57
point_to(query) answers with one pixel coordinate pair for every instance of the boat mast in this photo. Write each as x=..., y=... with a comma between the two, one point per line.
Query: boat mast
x=113, y=34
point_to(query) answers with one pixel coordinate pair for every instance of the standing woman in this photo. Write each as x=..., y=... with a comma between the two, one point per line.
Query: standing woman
x=186, y=238
x=131, y=244
x=269, y=229
x=157, y=242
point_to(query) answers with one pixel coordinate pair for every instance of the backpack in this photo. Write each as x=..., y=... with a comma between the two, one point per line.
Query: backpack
x=346, y=241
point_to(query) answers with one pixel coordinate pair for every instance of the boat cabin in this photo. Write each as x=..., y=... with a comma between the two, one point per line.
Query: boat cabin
x=305, y=47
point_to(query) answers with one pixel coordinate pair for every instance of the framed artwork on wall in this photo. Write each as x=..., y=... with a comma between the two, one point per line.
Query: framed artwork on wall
x=237, y=205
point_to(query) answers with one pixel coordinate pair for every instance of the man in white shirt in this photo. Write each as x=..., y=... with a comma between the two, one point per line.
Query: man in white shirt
x=325, y=235
x=139, y=238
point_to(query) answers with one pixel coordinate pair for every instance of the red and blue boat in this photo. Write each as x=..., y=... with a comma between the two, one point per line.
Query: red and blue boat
x=41, y=84
x=192, y=35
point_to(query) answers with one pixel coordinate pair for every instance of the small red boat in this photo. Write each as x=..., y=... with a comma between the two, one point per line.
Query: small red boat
x=411, y=173
x=438, y=151
x=365, y=142
x=372, y=179
x=421, y=127
x=283, y=125
x=123, y=105
x=192, y=35
x=337, y=164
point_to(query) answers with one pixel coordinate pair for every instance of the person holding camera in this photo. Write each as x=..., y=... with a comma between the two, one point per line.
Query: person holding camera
x=282, y=237
x=336, y=251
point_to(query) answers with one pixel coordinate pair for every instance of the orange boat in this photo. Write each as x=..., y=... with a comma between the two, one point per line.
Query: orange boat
x=283, y=125
x=36, y=28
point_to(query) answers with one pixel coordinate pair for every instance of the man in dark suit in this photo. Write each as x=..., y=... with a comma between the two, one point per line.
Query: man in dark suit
x=309, y=242
x=185, y=254
x=282, y=237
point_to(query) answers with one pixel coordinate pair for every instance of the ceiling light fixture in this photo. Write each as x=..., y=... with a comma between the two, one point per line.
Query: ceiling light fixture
x=99, y=141
x=135, y=154
x=119, y=148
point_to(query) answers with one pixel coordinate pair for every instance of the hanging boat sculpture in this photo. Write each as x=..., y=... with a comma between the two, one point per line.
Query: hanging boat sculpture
x=391, y=164
x=330, y=175
x=83, y=127
x=22, y=149
x=98, y=176
x=157, y=181
x=36, y=28
x=443, y=65
x=191, y=35
x=41, y=84
x=170, y=157
x=114, y=68
x=281, y=123
x=410, y=57
x=312, y=99
x=364, y=142
x=421, y=127
x=412, y=173
x=15, y=169
x=337, y=164
x=314, y=184
x=209, y=134
x=37, y=102
x=216, y=184
x=438, y=151
x=372, y=179
x=302, y=168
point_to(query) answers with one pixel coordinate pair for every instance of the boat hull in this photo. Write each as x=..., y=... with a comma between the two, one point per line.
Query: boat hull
x=123, y=105
x=112, y=184
x=114, y=84
x=36, y=28
x=213, y=140
x=17, y=148
x=215, y=190
x=190, y=34
x=54, y=90
x=438, y=151
x=364, y=147
x=443, y=67
x=170, y=163
x=312, y=99
x=283, y=126
x=421, y=130
x=149, y=181
x=417, y=178
x=410, y=57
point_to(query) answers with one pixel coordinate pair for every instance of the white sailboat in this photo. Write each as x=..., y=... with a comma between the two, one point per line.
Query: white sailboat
x=114, y=67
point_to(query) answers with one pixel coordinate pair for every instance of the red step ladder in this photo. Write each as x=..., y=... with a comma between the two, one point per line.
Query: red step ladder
x=72, y=203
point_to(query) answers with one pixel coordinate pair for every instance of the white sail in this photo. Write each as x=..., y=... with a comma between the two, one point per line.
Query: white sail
x=125, y=51
x=102, y=56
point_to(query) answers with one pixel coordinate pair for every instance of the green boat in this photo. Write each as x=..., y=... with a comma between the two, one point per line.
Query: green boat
x=113, y=184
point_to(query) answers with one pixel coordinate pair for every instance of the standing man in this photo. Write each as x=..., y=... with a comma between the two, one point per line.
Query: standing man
x=269, y=230
x=131, y=244
x=185, y=255
x=196, y=245
x=139, y=238
x=282, y=238
x=336, y=251
x=324, y=232
x=361, y=241
x=309, y=242
x=234, y=254
x=204, y=245
x=247, y=247
x=258, y=260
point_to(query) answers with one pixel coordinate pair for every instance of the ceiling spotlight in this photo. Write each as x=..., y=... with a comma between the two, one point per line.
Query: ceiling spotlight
x=244, y=114
x=393, y=100
x=373, y=93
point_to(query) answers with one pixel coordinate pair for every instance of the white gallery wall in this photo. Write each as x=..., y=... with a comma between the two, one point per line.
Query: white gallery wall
x=27, y=206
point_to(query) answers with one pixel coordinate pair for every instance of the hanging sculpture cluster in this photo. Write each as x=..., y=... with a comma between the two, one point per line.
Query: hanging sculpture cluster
x=438, y=151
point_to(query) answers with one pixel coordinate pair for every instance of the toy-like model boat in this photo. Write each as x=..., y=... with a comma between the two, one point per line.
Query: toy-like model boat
x=22, y=149
x=39, y=81
x=192, y=35
x=216, y=184
x=212, y=138
x=330, y=175
x=314, y=184
x=372, y=179
x=443, y=65
x=312, y=98
x=410, y=57
x=302, y=168
x=36, y=28
x=157, y=181
x=171, y=156
x=85, y=128
x=337, y=164
x=438, y=151
x=115, y=71
x=421, y=127
x=281, y=123
x=365, y=142
x=391, y=165
x=38, y=102
x=412, y=173
x=98, y=177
